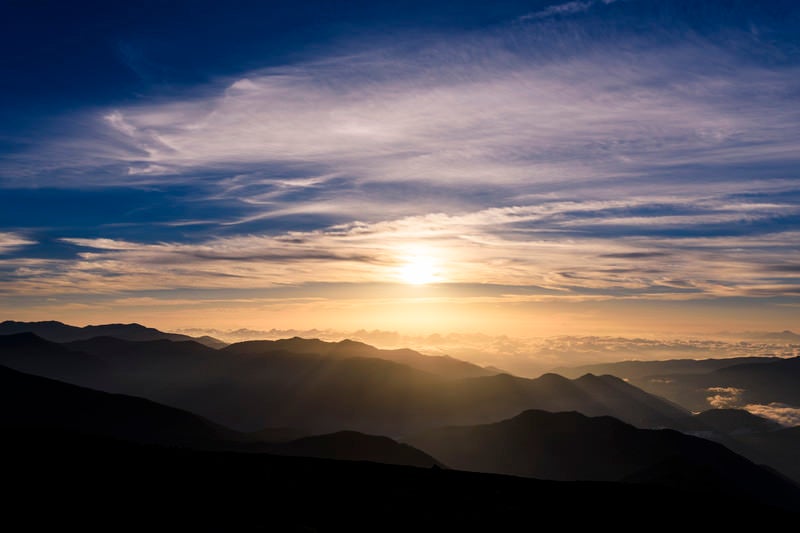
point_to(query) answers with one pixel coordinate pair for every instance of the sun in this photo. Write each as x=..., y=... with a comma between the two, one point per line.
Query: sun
x=419, y=270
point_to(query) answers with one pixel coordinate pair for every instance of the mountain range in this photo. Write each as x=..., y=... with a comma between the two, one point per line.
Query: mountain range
x=60, y=432
x=60, y=332
x=291, y=385
x=310, y=398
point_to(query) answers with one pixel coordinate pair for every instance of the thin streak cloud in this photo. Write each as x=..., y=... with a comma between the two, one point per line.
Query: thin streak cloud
x=12, y=241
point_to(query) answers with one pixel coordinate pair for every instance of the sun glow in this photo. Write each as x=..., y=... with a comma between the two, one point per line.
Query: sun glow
x=419, y=270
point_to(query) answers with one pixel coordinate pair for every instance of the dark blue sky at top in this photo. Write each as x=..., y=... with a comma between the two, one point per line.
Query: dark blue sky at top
x=62, y=56
x=63, y=63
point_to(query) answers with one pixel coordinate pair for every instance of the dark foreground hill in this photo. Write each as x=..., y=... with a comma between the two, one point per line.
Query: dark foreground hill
x=571, y=446
x=319, y=393
x=67, y=481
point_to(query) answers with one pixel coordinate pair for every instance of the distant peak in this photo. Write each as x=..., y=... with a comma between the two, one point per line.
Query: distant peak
x=553, y=378
x=604, y=377
x=350, y=342
x=119, y=325
x=40, y=323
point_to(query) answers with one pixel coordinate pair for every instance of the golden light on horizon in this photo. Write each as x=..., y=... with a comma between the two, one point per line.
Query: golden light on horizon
x=419, y=270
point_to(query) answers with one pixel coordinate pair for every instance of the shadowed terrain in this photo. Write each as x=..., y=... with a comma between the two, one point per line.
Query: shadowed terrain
x=571, y=446
x=97, y=482
x=36, y=403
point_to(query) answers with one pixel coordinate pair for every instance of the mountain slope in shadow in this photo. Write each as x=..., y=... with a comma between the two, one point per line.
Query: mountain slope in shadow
x=354, y=446
x=571, y=446
x=440, y=365
x=38, y=403
x=761, y=440
x=778, y=449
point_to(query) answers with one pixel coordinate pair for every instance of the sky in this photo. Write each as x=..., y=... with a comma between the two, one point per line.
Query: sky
x=611, y=167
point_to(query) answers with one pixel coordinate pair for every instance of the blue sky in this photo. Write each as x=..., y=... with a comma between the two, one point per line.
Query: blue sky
x=593, y=165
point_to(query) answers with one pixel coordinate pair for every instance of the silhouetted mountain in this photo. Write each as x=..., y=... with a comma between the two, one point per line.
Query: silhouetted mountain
x=321, y=393
x=761, y=440
x=354, y=446
x=63, y=480
x=440, y=365
x=59, y=332
x=571, y=446
x=778, y=449
x=634, y=370
x=36, y=402
x=27, y=352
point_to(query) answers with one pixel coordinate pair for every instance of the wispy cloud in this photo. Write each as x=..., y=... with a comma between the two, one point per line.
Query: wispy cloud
x=12, y=241
x=459, y=114
x=567, y=8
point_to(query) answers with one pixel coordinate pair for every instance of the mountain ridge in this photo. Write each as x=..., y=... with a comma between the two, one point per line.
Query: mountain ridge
x=56, y=331
x=322, y=394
